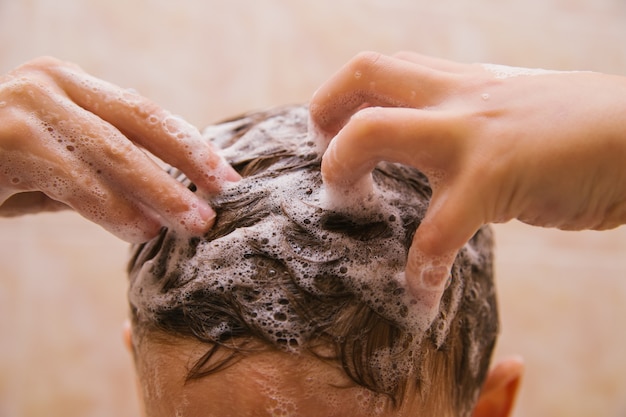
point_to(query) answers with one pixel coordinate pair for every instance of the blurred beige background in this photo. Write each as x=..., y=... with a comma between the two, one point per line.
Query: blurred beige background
x=62, y=280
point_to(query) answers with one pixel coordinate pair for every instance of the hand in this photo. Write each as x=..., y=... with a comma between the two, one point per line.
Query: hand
x=497, y=143
x=68, y=139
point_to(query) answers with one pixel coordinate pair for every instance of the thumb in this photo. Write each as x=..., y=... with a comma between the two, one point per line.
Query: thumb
x=451, y=220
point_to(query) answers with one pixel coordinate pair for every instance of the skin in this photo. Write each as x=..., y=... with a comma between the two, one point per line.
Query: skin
x=264, y=384
x=547, y=149
x=261, y=385
x=68, y=139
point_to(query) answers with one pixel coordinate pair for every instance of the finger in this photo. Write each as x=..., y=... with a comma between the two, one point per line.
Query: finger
x=71, y=149
x=453, y=217
x=134, y=177
x=121, y=216
x=432, y=62
x=372, y=79
x=56, y=174
x=166, y=136
x=83, y=152
x=426, y=140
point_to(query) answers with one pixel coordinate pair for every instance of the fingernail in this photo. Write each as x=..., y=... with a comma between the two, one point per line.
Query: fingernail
x=206, y=213
x=223, y=168
x=230, y=174
x=196, y=221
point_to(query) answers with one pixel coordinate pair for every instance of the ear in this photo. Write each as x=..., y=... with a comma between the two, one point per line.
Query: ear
x=127, y=335
x=500, y=389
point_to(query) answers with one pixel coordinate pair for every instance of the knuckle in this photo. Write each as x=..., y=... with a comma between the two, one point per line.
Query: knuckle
x=369, y=113
x=369, y=121
x=40, y=67
x=43, y=63
x=18, y=90
x=365, y=62
x=405, y=55
x=26, y=85
x=366, y=129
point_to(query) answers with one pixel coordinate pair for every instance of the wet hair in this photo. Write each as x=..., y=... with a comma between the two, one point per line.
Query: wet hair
x=285, y=267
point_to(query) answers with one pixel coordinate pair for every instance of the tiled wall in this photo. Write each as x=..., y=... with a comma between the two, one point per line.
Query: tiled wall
x=62, y=282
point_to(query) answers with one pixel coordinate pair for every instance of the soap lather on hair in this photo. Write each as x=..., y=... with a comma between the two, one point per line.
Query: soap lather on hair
x=294, y=268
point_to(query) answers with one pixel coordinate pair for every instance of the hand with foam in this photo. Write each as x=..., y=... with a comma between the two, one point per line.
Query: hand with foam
x=497, y=143
x=70, y=139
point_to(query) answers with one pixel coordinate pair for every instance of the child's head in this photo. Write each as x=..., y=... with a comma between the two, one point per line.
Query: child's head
x=294, y=304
